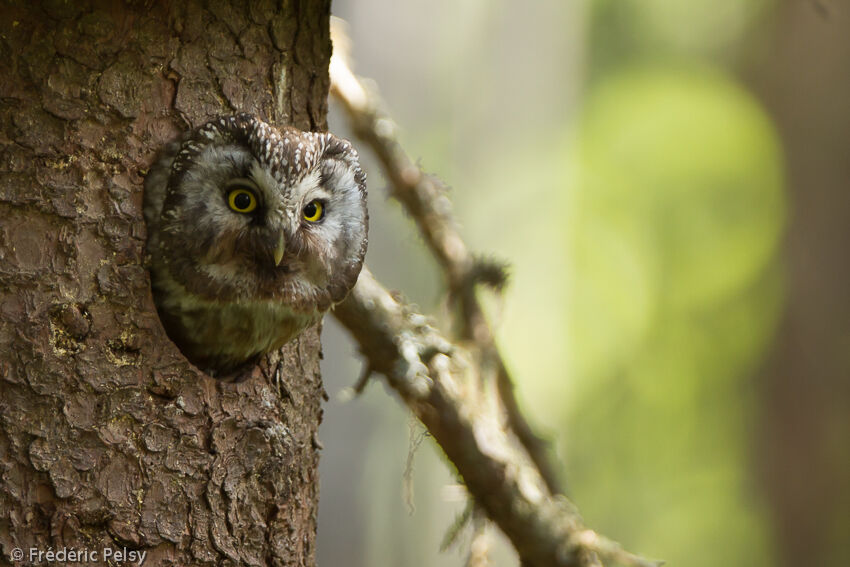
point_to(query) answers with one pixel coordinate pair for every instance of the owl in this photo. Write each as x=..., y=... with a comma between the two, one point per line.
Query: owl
x=254, y=232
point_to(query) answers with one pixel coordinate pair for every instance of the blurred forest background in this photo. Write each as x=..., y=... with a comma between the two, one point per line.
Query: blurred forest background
x=670, y=182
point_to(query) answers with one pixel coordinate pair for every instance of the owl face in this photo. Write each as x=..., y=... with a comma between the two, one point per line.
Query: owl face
x=252, y=213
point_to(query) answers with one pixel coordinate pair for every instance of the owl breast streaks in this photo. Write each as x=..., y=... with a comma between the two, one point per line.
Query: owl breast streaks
x=254, y=232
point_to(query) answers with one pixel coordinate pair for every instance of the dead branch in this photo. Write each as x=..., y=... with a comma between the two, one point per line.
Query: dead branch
x=439, y=382
x=459, y=389
x=424, y=197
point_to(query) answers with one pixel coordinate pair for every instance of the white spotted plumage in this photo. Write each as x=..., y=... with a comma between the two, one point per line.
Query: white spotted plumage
x=231, y=285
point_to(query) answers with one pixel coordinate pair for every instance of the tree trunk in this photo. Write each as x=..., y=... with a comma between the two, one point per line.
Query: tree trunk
x=109, y=438
x=806, y=457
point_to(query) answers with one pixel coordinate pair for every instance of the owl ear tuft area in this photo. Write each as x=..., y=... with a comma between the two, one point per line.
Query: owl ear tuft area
x=341, y=150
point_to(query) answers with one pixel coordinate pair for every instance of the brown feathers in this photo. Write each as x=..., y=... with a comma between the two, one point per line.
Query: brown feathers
x=222, y=296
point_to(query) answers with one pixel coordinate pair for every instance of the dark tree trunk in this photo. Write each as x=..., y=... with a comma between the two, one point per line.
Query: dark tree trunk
x=805, y=81
x=108, y=437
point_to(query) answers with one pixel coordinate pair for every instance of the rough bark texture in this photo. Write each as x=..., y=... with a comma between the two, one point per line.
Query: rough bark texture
x=108, y=436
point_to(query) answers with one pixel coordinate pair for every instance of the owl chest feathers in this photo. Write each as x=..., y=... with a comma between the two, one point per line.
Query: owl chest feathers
x=223, y=335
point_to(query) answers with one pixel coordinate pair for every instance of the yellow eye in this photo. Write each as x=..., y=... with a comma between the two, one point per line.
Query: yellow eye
x=314, y=211
x=241, y=200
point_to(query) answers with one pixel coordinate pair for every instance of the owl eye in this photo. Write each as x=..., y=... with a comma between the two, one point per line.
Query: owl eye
x=241, y=200
x=314, y=211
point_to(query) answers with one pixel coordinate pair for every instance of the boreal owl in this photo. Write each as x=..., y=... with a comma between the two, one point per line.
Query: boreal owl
x=253, y=233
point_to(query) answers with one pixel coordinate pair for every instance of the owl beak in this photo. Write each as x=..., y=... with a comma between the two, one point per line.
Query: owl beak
x=279, y=249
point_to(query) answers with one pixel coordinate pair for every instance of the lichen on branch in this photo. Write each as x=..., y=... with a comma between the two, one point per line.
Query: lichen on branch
x=459, y=387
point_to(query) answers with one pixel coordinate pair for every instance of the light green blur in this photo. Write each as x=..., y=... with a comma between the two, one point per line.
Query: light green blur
x=637, y=191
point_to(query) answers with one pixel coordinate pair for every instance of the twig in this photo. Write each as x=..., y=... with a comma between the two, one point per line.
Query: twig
x=479, y=548
x=452, y=535
x=424, y=198
x=417, y=436
x=448, y=384
x=437, y=381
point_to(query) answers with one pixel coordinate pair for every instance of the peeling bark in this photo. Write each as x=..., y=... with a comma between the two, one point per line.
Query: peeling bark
x=109, y=438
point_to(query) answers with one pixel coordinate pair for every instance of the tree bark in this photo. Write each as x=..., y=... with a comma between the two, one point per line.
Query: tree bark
x=109, y=438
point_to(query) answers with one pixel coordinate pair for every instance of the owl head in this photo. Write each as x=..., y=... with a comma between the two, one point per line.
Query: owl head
x=253, y=213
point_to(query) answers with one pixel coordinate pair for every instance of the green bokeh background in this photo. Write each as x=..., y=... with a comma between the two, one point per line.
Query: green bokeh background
x=610, y=151
x=656, y=222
